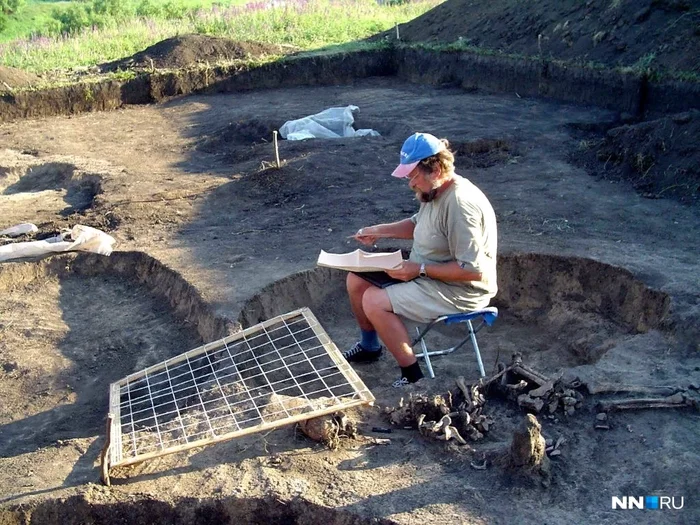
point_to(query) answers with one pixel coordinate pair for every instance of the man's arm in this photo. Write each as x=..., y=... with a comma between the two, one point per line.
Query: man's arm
x=450, y=271
x=394, y=230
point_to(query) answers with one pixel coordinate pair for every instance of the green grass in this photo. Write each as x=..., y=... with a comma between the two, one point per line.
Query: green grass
x=306, y=25
x=32, y=18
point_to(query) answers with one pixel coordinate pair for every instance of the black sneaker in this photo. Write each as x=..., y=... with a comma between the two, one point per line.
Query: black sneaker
x=357, y=354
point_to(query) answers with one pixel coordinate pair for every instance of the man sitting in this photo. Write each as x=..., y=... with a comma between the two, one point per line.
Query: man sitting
x=452, y=265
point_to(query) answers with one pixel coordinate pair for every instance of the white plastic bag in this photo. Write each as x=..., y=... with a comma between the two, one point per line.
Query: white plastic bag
x=331, y=123
x=80, y=238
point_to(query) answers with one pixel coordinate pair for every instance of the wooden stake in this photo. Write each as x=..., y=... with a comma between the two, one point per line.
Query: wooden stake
x=397, y=31
x=277, y=152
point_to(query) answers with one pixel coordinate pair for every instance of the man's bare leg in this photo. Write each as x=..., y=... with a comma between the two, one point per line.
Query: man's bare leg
x=357, y=287
x=379, y=313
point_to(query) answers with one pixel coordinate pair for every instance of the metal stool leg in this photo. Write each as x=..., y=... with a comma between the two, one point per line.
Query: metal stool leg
x=476, y=349
x=426, y=355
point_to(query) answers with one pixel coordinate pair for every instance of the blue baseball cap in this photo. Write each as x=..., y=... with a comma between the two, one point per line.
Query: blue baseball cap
x=417, y=147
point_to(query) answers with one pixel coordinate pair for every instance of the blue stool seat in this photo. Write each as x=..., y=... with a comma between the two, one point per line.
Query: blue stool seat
x=487, y=316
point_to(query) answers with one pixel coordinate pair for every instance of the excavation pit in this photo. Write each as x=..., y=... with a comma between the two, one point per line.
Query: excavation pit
x=67, y=187
x=72, y=324
x=557, y=311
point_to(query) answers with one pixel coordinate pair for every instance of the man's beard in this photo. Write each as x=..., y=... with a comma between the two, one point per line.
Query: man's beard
x=426, y=197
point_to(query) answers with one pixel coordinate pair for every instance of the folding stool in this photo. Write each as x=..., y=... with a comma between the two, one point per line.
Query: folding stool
x=487, y=315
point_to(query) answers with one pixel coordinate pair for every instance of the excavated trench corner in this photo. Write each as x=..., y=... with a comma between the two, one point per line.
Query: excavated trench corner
x=79, y=510
x=574, y=307
x=74, y=323
x=77, y=188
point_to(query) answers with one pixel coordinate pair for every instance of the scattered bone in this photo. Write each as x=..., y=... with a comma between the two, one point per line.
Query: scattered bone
x=542, y=391
x=528, y=403
x=677, y=400
x=478, y=466
x=614, y=388
x=462, y=385
x=520, y=369
x=521, y=385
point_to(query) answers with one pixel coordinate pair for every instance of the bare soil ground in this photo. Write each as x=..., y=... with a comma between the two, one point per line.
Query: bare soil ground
x=595, y=282
x=187, y=50
x=659, y=157
x=11, y=77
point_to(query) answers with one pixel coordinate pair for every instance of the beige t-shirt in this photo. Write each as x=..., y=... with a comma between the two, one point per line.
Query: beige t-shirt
x=460, y=225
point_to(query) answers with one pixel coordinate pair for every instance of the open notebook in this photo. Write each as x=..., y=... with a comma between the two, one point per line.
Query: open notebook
x=360, y=261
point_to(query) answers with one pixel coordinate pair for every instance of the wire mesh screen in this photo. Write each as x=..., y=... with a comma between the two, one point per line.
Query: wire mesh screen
x=278, y=372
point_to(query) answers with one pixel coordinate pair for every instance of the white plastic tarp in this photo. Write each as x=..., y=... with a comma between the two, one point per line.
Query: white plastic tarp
x=331, y=123
x=79, y=238
x=19, y=229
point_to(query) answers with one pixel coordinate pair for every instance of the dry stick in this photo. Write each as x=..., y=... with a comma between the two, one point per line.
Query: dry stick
x=104, y=454
x=277, y=152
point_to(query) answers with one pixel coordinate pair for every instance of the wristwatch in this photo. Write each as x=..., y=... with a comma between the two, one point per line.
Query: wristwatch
x=422, y=272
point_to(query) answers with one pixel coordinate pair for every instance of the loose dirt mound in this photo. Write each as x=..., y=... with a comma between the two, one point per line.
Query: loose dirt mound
x=185, y=50
x=659, y=157
x=11, y=78
x=662, y=34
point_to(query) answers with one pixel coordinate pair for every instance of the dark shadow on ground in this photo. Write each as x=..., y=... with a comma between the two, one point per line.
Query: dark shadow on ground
x=116, y=327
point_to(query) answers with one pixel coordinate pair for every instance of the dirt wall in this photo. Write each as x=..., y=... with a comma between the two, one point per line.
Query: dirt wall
x=625, y=92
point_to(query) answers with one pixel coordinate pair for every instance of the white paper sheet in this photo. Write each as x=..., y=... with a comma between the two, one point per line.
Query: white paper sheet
x=360, y=261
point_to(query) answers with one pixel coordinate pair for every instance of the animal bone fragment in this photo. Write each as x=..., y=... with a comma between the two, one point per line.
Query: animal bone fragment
x=542, y=391
x=675, y=401
x=452, y=432
x=614, y=388
x=520, y=369
x=462, y=384
x=520, y=385
x=525, y=401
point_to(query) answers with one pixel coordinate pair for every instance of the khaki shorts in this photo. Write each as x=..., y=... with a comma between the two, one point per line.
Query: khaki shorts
x=423, y=300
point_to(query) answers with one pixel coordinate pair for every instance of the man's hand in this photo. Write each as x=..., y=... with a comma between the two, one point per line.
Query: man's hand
x=406, y=272
x=366, y=236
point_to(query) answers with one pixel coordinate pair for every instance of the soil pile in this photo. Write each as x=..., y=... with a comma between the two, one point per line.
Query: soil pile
x=659, y=34
x=185, y=50
x=659, y=157
x=11, y=78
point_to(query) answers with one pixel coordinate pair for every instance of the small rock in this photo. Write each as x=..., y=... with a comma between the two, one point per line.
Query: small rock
x=570, y=411
x=601, y=416
x=556, y=452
